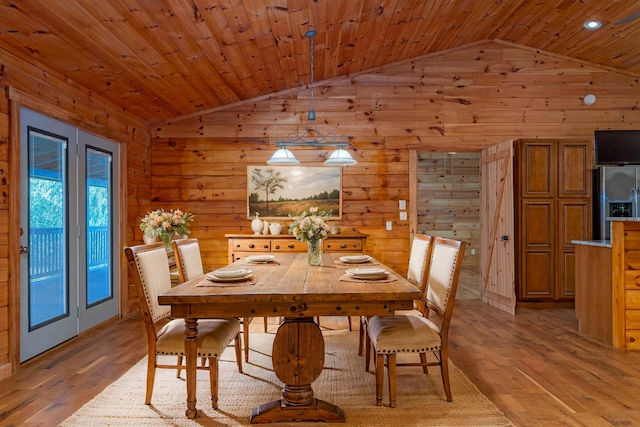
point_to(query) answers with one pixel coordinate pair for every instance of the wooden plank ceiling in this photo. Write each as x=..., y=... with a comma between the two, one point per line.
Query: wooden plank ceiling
x=161, y=59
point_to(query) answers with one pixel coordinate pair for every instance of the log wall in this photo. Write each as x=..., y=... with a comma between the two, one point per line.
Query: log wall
x=460, y=100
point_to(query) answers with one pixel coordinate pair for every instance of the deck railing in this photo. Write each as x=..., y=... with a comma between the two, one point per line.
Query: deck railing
x=47, y=260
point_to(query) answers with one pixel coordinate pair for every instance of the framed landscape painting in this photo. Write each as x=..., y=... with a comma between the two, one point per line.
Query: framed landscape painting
x=276, y=192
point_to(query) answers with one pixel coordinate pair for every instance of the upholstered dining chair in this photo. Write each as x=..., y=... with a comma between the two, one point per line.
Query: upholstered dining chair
x=416, y=273
x=395, y=334
x=189, y=263
x=149, y=266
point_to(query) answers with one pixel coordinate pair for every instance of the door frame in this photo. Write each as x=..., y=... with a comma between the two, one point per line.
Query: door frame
x=413, y=203
x=18, y=99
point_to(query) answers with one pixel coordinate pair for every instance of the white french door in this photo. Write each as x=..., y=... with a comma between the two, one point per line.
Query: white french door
x=68, y=217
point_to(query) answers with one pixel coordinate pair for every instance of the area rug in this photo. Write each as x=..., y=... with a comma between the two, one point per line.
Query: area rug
x=344, y=382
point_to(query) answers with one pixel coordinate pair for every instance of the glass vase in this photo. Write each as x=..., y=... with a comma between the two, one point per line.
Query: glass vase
x=314, y=252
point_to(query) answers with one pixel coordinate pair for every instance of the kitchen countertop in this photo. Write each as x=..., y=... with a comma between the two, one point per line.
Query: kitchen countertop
x=623, y=219
x=600, y=243
x=605, y=243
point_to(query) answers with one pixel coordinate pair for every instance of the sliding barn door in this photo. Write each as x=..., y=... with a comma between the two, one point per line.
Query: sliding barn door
x=497, y=258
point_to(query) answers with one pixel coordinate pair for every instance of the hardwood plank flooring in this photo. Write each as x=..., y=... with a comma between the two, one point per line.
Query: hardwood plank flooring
x=535, y=367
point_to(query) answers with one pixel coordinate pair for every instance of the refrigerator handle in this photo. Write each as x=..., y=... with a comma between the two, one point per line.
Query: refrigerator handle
x=634, y=202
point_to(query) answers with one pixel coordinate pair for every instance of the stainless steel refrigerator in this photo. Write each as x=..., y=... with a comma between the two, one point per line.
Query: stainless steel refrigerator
x=615, y=193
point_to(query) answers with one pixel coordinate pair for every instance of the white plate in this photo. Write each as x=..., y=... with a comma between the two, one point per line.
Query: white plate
x=230, y=274
x=368, y=273
x=215, y=278
x=261, y=258
x=355, y=259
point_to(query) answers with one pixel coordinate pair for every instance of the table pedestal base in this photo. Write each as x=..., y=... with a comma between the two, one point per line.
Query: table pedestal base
x=278, y=411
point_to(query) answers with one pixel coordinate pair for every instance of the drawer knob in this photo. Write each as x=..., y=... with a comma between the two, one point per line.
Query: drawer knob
x=277, y=246
x=292, y=246
x=237, y=246
x=266, y=246
x=251, y=245
x=343, y=246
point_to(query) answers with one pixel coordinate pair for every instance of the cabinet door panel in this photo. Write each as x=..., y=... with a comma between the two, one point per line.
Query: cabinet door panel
x=537, y=246
x=574, y=223
x=574, y=165
x=537, y=280
x=537, y=224
x=537, y=168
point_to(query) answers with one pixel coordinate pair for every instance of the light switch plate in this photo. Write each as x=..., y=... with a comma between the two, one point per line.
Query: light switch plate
x=403, y=205
x=389, y=225
x=403, y=216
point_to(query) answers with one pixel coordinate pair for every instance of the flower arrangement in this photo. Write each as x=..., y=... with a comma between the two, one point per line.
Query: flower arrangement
x=310, y=226
x=165, y=225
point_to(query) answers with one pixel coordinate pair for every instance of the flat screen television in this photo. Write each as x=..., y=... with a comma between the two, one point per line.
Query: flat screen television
x=617, y=147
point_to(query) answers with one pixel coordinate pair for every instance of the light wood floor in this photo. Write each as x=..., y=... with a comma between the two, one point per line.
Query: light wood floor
x=535, y=367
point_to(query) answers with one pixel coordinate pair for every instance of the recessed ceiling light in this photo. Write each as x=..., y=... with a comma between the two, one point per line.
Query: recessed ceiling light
x=592, y=25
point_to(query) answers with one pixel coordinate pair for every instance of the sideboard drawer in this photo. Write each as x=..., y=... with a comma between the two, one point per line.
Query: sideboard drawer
x=340, y=245
x=288, y=246
x=253, y=245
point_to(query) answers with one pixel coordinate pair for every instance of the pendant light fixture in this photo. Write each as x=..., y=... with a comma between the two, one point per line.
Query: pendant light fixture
x=311, y=136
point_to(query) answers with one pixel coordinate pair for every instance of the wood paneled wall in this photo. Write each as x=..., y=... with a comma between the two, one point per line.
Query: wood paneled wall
x=43, y=91
x=449, y=199
x=460, y=100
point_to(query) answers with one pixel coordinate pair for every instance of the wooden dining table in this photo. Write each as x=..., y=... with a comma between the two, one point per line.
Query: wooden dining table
x=290, y=288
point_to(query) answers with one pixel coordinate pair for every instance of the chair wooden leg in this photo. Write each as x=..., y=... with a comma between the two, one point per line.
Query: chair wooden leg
x=379, y=378
x=444, y=369
x=179, y=369
x=151, y=376
x=423, y=360
x=391, y=368
x=266, y=324
x=213, y=380
x=361, y=336
x=349, y=320
x=238, y=346
x=245, y=334
x=367, y=352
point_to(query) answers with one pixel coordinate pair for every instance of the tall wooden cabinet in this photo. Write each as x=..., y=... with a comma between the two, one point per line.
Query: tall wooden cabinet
x=553, y=207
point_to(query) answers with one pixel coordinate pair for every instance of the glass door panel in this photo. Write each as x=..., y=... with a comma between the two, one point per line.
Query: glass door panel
x=48, y=293
x=98, y=211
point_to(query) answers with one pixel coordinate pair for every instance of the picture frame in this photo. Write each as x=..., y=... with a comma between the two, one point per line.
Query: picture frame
x=278, y=192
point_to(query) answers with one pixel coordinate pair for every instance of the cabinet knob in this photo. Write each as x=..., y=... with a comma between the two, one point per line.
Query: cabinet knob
x=251, y=245
x=238, y=246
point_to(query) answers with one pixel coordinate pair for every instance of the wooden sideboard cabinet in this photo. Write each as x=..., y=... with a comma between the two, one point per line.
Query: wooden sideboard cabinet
x=242, y=245
x=553, y=207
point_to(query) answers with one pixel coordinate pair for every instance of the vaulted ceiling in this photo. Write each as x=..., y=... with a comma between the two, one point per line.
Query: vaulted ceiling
x=161, y=59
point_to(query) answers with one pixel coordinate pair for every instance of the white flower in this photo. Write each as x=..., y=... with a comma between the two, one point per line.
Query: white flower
x=310, y=225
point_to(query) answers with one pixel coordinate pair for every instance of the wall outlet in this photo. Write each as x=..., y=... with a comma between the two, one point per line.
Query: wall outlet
x=389, y=225
x=473, y=251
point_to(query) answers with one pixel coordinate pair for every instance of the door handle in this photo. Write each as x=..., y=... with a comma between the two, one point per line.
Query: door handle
x=24, y=249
